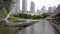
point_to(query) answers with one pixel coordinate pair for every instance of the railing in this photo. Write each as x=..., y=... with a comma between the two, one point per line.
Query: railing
x=55, y=24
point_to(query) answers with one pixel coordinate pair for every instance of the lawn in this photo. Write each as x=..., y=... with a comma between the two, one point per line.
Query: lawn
x=16, y=19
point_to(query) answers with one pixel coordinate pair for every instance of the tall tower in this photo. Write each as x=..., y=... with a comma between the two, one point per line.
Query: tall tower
x=32, y=7
x=54, y=7
x=24, y=5
x=16, y=7
x=50, y=10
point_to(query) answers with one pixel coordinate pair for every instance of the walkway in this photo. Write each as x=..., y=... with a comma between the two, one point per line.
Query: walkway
x=42, y=27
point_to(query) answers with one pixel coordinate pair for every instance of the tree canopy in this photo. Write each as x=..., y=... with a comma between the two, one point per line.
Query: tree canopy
x=5, y=6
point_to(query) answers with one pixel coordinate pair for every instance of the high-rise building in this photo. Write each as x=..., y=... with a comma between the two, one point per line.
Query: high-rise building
x=38, y=12
x=32, y=7
x=43, y=10
x=24, y=5
x=16, y=7
x=50, y=10
x=54, y=7
x=57, y=11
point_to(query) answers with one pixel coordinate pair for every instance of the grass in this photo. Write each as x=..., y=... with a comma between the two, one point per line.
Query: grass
x=15, y=19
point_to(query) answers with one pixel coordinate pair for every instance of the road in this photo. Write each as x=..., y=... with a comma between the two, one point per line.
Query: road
x=42, y=27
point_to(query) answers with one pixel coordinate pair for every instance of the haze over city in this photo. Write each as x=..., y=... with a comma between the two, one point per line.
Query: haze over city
x=40, y=3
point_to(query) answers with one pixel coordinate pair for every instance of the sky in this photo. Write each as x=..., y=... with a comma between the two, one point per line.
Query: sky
x=40, y=3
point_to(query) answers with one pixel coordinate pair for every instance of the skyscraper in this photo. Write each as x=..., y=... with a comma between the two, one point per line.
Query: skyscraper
x=32, y=7
x=16, y=7
x=54, y=7
x=50, y=10
x=24, y=5
x=57, y=11
x=43, y=10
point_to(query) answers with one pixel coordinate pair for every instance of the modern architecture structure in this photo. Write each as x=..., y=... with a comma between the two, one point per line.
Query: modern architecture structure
x=16, y=7
x=32, y=7
x=24, y=6
x=38, y=12
x=56, y=18
x=56, y=11
x=54, y=8
x=50, y=10
x=43, y=10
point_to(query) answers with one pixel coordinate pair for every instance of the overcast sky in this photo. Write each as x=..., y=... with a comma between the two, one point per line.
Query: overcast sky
x=40, y=3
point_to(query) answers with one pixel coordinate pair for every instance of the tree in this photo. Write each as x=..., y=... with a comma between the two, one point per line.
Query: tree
x=44, y=15
x=5, y=6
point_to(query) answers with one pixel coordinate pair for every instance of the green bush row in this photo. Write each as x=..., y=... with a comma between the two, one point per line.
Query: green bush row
x=28, y=16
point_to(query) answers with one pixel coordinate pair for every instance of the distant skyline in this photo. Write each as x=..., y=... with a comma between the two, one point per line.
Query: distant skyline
x=40, y=3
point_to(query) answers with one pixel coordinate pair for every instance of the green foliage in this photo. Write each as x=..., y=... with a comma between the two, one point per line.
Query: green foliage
x=2, y=23
x=28, y=16
x=44, y=15
x=6, y=6
x=34, y=17
x=39, y=17
x=4, y=11
x=16, y=20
